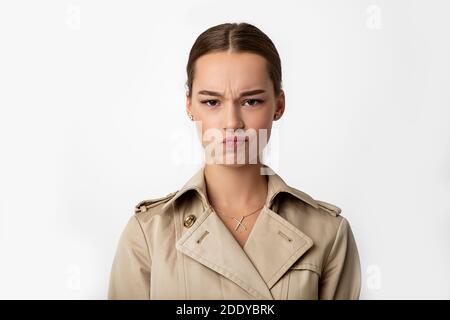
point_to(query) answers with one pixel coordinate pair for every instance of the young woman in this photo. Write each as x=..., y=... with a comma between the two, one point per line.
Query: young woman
x=235, y=230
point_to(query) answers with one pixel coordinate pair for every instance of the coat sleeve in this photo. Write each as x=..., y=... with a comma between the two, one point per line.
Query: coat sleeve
x=341, y=276
x=130, y=273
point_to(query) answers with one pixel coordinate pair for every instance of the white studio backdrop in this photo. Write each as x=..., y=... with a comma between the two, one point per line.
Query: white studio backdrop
x=92, y=121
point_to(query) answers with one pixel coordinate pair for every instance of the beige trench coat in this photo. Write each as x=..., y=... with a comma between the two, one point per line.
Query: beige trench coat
x=176, y=247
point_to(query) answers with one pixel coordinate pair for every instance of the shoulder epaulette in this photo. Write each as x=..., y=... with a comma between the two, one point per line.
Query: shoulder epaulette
x=146, y=204
x=330, y=208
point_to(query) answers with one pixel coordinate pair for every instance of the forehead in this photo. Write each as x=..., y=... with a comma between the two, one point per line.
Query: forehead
x=235, y=71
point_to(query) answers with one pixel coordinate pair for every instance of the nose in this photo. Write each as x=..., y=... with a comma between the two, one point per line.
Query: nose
x=232, y=118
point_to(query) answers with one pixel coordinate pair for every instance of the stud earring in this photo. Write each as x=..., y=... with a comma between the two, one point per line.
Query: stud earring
x=191, y=116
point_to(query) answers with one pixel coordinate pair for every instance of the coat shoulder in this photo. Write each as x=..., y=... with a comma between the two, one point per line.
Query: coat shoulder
x=147, y=204
x=329, y=208
x=323, y=207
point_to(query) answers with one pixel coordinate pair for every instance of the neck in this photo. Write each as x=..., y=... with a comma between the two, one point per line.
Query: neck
x=233, y=188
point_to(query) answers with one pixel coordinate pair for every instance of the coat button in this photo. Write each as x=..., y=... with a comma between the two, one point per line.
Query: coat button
x=189, y=221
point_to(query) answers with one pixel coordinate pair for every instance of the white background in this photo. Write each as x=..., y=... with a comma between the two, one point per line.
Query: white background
x=92, y=121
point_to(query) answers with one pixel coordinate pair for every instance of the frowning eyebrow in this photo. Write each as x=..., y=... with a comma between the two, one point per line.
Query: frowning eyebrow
x=243, y=94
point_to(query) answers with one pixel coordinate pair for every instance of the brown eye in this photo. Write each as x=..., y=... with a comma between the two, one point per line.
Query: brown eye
x=208, y=101
x=254, y=102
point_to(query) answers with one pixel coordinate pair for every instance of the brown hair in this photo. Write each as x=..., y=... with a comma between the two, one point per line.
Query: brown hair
x=236, y=37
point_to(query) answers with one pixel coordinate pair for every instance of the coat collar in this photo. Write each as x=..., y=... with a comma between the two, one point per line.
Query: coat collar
x=273, y=245
x=271, y=249
x=276, y=185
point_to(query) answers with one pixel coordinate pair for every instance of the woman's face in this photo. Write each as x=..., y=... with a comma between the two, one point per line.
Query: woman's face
x=233, y=95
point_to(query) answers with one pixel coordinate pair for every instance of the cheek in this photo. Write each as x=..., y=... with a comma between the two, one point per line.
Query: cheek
x=208, y=132
x=260, y=123
x=264, y=125
x=261, y=118
x=264, y=136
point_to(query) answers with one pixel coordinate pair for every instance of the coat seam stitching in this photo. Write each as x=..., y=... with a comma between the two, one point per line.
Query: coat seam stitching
x=315, y=269
x=333, y=246
x=148, y=250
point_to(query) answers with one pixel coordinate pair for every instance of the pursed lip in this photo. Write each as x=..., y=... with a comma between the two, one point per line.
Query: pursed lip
x=234, y=139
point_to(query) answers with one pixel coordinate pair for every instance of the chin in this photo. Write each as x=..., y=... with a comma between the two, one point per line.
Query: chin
x=234, y=165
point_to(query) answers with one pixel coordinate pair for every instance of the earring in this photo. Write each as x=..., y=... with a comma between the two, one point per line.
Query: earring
x=191, y=116
x=275, y=117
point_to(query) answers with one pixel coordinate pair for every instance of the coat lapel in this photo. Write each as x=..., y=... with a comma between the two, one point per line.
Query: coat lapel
x=273, y=245
x=210, y=242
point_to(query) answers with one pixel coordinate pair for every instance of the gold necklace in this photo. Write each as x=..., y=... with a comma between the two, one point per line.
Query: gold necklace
x=239, y=221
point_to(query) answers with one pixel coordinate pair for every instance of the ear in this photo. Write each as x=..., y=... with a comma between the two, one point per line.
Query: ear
x=280, y=105
x=188, y=103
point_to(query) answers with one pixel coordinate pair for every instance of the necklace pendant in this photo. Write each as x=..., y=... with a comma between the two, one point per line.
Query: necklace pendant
x=239, y=223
